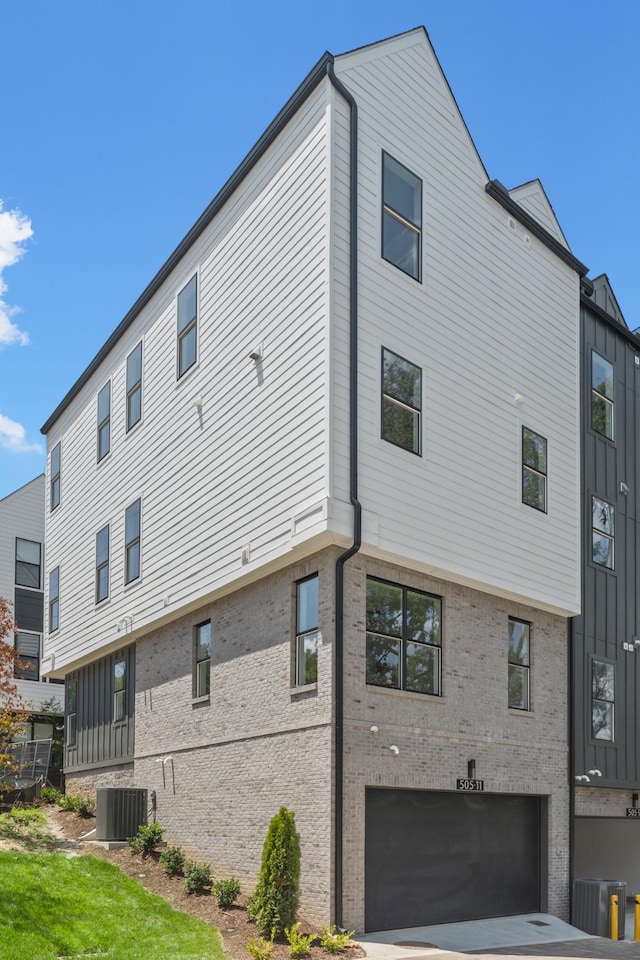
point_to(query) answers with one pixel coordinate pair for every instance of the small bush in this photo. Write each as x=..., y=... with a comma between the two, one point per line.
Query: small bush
x=333, y=941
x=197, y=877
x=50, y=795
x=146, y=839
x=260, y=949
x=226, y=892
x=275, y=901
x=173, y=860
x=299, y=943
x=84, y=805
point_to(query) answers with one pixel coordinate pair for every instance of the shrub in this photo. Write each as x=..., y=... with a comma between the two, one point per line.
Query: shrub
x=299, y=943
x=84, y=805
x=260, y=949
x=173, y=860
x=197, y=877
x=275, y=900
x=50, y=795
x=334, y=941
x=226, y=892
x=146, y=839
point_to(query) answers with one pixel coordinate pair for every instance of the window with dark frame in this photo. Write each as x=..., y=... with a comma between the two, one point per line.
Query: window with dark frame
x=404, y=638
x=519, y=664
x=102, y=564
x=27, y=647
x=401, y=401
x=203, y=659
x=132, y=542
x=72, y=707
x=603, y=695
x=134, y=386
x=401, y=217
x=603, y=533
x=28, y=557
x=306, y=669
x=119, y=690
x=54, y=599
x=187, y=325
x=534, y=470
x=602, y=395
x=104, y=421
x=54, y=489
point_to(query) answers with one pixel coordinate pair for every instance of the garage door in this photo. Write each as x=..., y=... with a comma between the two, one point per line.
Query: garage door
x=444, y=857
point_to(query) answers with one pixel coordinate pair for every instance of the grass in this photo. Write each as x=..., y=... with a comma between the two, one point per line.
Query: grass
x=28, y=825
x=54, y=907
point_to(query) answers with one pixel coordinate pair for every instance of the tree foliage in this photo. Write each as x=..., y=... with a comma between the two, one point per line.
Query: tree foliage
x=275, y=902
x=12, y=707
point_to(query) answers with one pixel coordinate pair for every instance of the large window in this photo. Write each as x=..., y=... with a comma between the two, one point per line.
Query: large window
x=134, y=386
x=54, y=599
x=28, y=650
x=28, y=553
x=534, y=470
x=519, y=664
x=102, y=564
x=602, y=533
x=401, y=216
x=132, y=542
x=72, y=708
x=119, y=690
x=603, y=695
x=602, y=395
x=401, y=401
x=203, y=660
x=403, y=638
x=104, y=420
x=187, y=325
x=307, y=631
x=54, y=473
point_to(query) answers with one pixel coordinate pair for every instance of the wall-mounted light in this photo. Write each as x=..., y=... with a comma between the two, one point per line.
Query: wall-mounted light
x=471, y=769
x=394, y=750
x=197, y=402
x=595, y=773
x=257, y=353
x=624, y=488
x=125, y=623
x=373, y=729
x=634, y=799
x=583, y=778
x=518, y=399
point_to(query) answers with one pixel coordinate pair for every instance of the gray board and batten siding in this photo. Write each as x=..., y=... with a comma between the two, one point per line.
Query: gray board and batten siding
x=610, y=611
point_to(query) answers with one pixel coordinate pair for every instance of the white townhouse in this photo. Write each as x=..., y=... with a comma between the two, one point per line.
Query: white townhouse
x=313, y=518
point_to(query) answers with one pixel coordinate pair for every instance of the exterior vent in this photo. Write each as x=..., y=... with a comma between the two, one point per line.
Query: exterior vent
x=119, y=812
x=591, y=906
x=246, y=553
x=511, y=224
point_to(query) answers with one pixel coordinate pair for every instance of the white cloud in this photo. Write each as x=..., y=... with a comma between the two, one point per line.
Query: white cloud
x=15, y=230
x=13, y=437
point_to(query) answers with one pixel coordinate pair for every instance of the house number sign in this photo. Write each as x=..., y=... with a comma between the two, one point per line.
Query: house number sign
x=633, y=812
x=465, y=783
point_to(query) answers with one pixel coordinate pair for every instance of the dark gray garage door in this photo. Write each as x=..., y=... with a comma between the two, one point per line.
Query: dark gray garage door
x=443, y=857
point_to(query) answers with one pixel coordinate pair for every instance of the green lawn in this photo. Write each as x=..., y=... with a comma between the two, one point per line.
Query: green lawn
x=52, y=907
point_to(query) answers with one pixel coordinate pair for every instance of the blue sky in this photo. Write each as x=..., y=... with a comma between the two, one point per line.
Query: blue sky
x=121, y=119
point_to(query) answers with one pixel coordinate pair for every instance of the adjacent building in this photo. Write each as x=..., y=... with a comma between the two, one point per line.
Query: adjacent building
x=313, y=515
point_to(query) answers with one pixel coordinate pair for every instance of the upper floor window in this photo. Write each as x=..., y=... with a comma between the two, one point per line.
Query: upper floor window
x=401, y=216
x=519, y=664
x=119, y=690
x=534, y=470
x=104, y=420
x=28, y=554
x=603, y=695
x=54, y=489
x=203, y=659
x=134, y=386
x=602, y=395
x=54, y=599
x=404, y=643
x=401, y=401
x=71, y=700
x=187, y=325
x=102, y=564
x=602, y=533
x=307, y=630
x=132, y=542
x=28, y=650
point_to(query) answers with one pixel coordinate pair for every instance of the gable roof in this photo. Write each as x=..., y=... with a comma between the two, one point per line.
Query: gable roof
x=533, y=197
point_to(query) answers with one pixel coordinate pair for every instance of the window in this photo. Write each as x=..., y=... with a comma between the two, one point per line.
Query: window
x=203, y=659
x=307, y=631
x=28, y=649
x=602, y=396
x=119, y=690
x=401, y=216
x=187, y=325
x=401, y=401
x=602, y=700
x=104, y=420
x=403, y=638
x=54, y=599
x=602, y=533
x=134, y=386
x=54, y=493
x=28, y=563
x=132, y=542
x=71, y=700
x=534, y=470
x=519, y=665
x=102, y=564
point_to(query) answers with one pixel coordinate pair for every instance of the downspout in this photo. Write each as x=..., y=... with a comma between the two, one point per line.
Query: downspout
x=353, y=492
